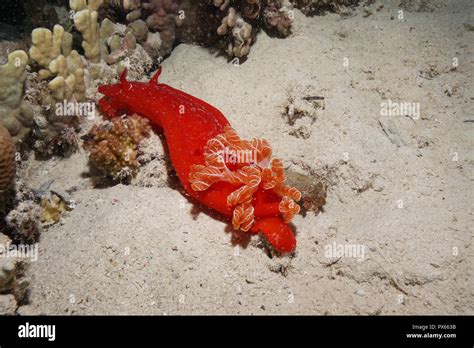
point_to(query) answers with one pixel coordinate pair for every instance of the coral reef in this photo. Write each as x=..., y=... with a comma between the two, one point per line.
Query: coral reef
x=101, y=41
x=119, y=46
x=239, y=32
x=65, y=72
x=113, y=145
x=235, y=22
x=15, y=114
x=53, y=53
x=154, y=15
x=7, y=163
x=60, y=79
x=274, y=15
x=22, y=220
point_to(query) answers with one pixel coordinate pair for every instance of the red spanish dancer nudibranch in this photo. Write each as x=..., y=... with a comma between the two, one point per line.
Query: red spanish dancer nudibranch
x=250, y=192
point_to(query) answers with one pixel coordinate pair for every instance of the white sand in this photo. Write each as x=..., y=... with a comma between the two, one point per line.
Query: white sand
x=180, y=263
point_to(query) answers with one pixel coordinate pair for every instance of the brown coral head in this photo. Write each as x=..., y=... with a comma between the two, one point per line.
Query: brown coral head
x=113, y=145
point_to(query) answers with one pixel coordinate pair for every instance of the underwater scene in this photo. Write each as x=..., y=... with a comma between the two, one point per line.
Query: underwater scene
x=236, y=157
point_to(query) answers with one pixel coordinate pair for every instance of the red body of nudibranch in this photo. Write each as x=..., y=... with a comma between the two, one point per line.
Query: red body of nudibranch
x=189, y=124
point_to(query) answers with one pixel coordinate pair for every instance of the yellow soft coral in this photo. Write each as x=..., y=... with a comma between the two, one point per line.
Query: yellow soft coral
x=250, y=173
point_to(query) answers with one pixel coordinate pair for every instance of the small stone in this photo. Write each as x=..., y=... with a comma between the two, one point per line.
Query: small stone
x=9, y=266
x=8, y=305
x=7, y=271
x=27, y=310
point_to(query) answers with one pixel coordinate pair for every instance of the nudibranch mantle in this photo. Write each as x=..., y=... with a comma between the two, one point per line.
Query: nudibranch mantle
x=236, y=177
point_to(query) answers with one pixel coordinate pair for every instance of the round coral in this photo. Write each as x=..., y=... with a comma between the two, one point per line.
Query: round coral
x=7, y=160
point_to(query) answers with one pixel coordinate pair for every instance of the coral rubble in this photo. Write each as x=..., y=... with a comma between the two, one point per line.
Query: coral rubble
x=13, y=283
x=21, y=216
x=241, y=19
x=229, y=24
x=23, y=221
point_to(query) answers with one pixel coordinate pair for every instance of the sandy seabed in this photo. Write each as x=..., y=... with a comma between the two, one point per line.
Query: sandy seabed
x=400, y=187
